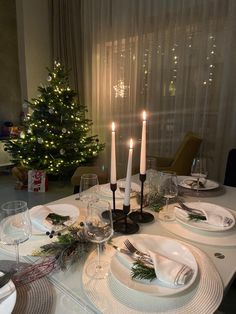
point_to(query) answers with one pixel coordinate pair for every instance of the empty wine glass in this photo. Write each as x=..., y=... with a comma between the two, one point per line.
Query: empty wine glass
x=168, y=188
x=199, y=170
x=98, y=230
x=87, y=181
x=15, y=225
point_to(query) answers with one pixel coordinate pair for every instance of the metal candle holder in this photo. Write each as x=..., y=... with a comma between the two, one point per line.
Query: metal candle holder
x=125, y=227
x=140, y=216
x=116, y=213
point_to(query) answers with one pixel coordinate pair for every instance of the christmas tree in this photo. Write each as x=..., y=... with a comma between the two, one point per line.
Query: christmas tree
x=55, y=135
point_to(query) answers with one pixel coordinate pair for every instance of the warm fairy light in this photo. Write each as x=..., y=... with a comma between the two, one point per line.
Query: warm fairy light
x=144, y=115
x=113, y=127
x=131, y=144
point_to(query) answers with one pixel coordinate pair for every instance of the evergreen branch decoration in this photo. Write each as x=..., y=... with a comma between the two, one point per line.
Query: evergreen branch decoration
x=68, y=248
x=140, y=270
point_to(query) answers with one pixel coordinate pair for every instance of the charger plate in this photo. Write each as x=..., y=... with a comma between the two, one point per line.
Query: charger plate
x=204, y=295
x=35, y=297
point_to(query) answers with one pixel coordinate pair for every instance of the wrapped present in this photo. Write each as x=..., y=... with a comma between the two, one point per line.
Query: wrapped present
x=37, y=181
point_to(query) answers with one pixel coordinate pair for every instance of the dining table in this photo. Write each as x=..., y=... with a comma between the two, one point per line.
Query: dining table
x=72, y=291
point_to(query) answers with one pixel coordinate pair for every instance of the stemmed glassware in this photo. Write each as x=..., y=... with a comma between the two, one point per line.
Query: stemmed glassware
x=15, y=225
x=87, y=181
x=168, y=188
x=199, y=170
x=98, y=230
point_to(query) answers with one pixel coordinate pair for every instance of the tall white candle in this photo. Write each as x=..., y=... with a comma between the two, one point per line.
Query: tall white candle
x=128, y=175
x=143, y=145
x=113, y=154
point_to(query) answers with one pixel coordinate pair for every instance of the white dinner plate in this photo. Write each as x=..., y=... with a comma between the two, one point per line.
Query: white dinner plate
x=165, y=246
x=201, y=224
x=7, y=297
x=105, y=189
x=39, y=213
x=185, y=182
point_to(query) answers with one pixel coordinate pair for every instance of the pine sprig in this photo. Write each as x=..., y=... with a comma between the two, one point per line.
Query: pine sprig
x=196, y=217
x=140, y=270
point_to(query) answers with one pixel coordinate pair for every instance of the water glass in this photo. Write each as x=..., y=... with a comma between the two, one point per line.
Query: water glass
x=15, y=225
x=98, y=230
x=167, y=188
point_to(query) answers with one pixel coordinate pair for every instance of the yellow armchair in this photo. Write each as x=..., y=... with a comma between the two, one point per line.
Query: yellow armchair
x=182, y=160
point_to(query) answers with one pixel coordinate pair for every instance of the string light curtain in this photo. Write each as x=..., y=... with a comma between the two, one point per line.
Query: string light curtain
x=174, y=58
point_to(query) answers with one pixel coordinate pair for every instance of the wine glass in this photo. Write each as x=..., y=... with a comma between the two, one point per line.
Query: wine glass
x=98, y=230
x=199, y=170
x=87, y=181
x=168, y=188
x=15, y=225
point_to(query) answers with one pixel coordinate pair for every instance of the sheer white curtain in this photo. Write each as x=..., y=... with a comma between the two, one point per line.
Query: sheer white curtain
x=174, y=58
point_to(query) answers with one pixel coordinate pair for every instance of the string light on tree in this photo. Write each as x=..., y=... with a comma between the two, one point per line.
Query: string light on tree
x=55, y=123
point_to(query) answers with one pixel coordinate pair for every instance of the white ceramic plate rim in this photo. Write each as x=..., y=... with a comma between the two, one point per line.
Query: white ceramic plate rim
x=168, y=247
x=61, y=209
x=203, y=225
x=106, y=191
x=7, y=305
x=210, y=185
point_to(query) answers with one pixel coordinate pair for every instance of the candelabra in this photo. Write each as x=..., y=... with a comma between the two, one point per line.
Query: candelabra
x=139, y=215
x=116, y=213
x=122, y=224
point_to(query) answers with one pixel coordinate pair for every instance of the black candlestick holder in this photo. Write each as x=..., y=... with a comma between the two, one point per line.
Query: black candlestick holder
x=122, y=224
x=139, y=215
x=116, y=213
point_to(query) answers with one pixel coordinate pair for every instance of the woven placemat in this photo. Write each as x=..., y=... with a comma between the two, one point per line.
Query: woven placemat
x=206, y=193
x=36, y=297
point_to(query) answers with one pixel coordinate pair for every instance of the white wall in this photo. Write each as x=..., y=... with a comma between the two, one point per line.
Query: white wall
x=34, y=44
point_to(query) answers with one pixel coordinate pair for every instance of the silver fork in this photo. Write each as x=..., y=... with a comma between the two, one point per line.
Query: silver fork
x=134, y=250
x=189, y=209
x=228, y=221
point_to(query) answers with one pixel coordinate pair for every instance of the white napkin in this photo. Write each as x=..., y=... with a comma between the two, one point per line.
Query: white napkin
x=211, y=218
x=166, y=269
x=39, y=214
x=170, y=271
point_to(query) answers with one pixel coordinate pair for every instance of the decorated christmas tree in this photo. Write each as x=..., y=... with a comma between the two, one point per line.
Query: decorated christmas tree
x=56, y=134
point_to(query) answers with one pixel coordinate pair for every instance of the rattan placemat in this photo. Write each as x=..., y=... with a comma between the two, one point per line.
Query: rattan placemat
x=206, y=193
x=36, y=297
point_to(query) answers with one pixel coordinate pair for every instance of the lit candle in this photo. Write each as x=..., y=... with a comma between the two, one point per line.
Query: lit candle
x=113, y=154
x=128, y=175
x=143, y=146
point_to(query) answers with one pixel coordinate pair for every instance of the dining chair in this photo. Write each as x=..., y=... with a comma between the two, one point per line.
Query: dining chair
x=182, y=160
x=230, y=171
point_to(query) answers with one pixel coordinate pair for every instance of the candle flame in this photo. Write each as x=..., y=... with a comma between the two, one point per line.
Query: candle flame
x=144, y=115
x=131, y=144
x=113, y=127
